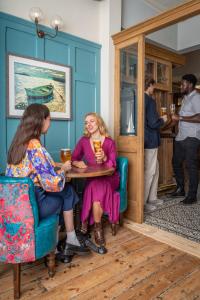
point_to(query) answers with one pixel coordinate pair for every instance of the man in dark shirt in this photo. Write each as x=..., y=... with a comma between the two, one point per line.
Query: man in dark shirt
x=151, y=143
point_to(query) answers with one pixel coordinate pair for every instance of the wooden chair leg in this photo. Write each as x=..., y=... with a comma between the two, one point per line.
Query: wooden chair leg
x=121, y=219
x=51, y=264
x=16, y=279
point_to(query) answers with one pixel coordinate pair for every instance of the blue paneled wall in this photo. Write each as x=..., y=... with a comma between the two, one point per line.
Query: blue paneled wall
x=18, y=36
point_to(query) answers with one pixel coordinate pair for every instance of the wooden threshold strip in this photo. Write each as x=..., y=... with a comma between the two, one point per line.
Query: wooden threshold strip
x=166, y=237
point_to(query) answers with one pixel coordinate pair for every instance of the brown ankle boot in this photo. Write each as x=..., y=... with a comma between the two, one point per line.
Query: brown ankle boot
x=98, y=234
x=114, y=228
x=84, y=227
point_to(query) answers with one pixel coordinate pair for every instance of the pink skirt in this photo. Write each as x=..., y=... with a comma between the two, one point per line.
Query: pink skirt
x=103, y=190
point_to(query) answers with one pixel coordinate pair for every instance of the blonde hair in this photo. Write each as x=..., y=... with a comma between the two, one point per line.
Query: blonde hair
x=101, y=125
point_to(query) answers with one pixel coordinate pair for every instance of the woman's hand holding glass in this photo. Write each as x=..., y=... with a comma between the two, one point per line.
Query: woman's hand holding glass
x=100, y=156
x=165, y=118
x=67, y=166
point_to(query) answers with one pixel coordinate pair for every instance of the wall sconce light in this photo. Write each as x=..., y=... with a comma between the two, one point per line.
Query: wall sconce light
x=36, y=16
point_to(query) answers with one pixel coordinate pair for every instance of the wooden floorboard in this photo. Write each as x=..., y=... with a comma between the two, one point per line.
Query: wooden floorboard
x=135, y=267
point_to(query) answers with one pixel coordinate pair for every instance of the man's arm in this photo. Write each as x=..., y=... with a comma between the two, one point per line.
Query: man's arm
x=190, y=119
x=170, y=124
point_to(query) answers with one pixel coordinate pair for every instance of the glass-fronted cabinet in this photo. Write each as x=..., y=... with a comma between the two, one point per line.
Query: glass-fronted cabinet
x=159, y=70
x=128, y=90
x=149, y=68
x=162, y=73
x=128, y=122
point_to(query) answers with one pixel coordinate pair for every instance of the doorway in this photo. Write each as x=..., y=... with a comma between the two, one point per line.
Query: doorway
x=126, y=146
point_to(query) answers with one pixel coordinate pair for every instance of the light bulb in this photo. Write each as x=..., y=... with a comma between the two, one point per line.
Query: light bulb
x=56, y=21
x=36, y=13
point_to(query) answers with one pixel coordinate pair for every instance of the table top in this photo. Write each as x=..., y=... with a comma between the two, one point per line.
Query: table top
x=93, y=171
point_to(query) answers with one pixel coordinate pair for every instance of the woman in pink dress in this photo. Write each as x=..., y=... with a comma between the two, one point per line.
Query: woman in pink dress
x=100, y=195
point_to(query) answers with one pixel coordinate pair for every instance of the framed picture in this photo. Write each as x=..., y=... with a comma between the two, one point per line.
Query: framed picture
x=35, y=81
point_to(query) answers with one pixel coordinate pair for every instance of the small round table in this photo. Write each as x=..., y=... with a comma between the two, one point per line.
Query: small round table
x=89, y=172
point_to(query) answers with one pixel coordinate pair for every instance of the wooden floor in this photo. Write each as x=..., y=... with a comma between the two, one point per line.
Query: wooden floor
x=135, y=267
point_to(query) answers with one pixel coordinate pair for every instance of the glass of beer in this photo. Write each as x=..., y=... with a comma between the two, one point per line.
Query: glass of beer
x=163, y=111
x=65, y=155
x=96, y=145
x=172, y=108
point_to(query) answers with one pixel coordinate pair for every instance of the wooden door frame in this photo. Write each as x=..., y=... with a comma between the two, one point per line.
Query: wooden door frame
x=124, y=38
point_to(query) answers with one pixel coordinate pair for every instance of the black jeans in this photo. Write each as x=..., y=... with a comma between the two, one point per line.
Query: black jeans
x=186, y=150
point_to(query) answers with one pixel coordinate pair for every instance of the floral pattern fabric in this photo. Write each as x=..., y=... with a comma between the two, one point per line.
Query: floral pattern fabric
x=17, y=239
x=40, y=167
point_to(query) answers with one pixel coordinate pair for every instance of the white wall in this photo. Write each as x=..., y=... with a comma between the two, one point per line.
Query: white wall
x=136, y=11
x=110, y=23
x=188, y=33
x=81, y=17
x=167, y=37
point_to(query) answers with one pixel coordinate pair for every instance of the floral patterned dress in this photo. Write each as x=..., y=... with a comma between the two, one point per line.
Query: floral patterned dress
x=40, y=167
x=52, y=194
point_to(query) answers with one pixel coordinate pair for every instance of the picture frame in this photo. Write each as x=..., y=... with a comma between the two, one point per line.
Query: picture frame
x=35, y=81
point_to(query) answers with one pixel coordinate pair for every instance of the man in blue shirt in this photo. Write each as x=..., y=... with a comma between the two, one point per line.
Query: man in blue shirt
x=151, y=143
x=187, y=143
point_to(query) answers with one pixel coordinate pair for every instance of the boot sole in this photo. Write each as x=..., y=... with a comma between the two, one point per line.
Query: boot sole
x=72, y=252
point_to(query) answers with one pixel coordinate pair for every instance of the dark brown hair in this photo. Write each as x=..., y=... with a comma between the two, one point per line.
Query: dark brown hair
x=29, y=128
x=148, y=82
x=191, y=78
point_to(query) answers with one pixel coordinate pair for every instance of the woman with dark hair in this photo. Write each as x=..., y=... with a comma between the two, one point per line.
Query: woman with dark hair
x=28, y=158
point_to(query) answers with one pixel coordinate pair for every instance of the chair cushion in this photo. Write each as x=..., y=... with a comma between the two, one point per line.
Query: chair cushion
x=122, y=167
x=17, y=239
x=45, y=236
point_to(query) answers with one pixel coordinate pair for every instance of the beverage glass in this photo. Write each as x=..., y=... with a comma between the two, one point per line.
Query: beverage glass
x=163, y=111
x=96, y=145
x=65, y=155
x=172, y=108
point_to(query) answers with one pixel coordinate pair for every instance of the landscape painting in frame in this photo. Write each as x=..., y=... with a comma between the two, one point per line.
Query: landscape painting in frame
x=34, y=81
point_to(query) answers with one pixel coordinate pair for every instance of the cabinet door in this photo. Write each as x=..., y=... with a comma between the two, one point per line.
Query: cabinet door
x=150, y=69
x=129, y=119
x=163, y=75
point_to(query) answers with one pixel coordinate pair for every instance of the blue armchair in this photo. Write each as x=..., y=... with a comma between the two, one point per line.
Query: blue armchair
x=122, y=168
x=23, y=237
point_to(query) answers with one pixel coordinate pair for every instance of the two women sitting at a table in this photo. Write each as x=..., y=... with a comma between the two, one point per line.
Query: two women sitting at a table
x=100, y=194
x=28, y=158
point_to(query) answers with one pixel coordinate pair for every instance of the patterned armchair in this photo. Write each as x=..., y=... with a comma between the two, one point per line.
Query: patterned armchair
x=23, y=238
x=122, y=168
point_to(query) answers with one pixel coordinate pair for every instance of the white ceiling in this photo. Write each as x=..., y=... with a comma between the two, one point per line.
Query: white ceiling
x=162, y=5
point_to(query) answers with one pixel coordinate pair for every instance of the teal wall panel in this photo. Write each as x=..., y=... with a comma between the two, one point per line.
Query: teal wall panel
x=18, y=36
x=85, y=93
x=85, y=64
x=20, y=42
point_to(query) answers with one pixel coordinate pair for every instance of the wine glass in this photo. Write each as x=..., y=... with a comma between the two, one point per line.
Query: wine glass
x=172, y=108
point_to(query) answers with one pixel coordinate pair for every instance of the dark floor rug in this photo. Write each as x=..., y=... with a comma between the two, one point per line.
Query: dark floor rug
x=175, y=217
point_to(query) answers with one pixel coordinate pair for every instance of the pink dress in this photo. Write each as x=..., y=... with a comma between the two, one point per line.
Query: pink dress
x=102, y=189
